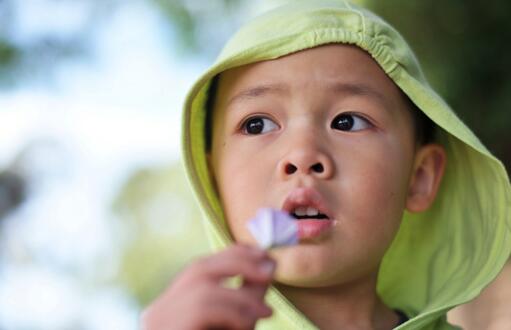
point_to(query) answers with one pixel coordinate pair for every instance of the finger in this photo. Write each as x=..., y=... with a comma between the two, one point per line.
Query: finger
x=253, y=265
x=257, y=290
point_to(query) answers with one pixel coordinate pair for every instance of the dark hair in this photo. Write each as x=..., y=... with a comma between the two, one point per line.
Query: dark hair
x=210, y=107
x=424, y=127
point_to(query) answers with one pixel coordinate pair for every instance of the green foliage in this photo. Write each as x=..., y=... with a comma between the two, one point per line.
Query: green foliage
x=182, y=20
x=200, y=27
x=33, y=57
x=9, y=56
x=8, y=53
x=162, y=231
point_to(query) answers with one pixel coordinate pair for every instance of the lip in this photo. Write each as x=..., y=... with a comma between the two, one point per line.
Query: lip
x=314, y=229
x=309, y=229
x=306, y=197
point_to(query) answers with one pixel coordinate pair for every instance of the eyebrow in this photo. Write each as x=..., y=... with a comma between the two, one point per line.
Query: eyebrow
x=256, y=91
x=357, y=89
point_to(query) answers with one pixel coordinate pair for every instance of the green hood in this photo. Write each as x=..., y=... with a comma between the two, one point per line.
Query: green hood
x=440, y=258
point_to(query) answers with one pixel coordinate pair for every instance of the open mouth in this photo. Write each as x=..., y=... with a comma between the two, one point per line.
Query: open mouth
x=314, y=219
x=307, y=213
x=306, y=204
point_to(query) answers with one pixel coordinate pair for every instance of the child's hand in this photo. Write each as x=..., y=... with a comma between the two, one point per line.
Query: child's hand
x=197, y=299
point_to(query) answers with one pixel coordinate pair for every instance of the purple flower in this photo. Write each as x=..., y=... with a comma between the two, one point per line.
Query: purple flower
x=272, y=228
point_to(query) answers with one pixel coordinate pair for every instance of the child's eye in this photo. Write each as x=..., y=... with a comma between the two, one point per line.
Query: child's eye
x=258, y=125
x=349, y=122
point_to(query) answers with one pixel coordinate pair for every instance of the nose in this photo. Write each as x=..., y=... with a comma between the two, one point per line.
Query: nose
x=306, y=160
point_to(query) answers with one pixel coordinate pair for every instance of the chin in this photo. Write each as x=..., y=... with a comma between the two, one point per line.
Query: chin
x=298, y=270
x=317, y=268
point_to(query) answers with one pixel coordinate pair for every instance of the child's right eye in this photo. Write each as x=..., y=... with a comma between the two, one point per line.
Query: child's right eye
x=258, y=125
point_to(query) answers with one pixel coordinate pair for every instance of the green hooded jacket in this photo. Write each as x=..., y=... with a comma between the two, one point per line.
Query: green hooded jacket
x=440, y=258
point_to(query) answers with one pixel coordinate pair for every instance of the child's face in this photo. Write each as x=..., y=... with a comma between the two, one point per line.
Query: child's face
x=321, y=126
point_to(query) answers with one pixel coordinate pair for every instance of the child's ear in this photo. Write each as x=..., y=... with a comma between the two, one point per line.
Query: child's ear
x=427, y=173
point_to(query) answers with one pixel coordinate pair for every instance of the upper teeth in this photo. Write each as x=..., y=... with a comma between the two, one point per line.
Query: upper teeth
x=308, y=211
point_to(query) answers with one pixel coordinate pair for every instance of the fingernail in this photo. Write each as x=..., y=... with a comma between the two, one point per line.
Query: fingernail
x=267, y=267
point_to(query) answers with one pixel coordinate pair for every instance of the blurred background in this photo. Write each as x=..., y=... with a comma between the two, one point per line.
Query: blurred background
x=96, y=216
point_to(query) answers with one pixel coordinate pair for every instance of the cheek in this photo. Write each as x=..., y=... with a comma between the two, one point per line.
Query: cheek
x=377, y=181
x=242, y=183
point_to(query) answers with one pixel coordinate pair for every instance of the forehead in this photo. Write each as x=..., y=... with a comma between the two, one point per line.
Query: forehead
x=336, y=68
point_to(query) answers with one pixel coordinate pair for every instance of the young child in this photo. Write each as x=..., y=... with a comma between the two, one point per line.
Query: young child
x=320, y=109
